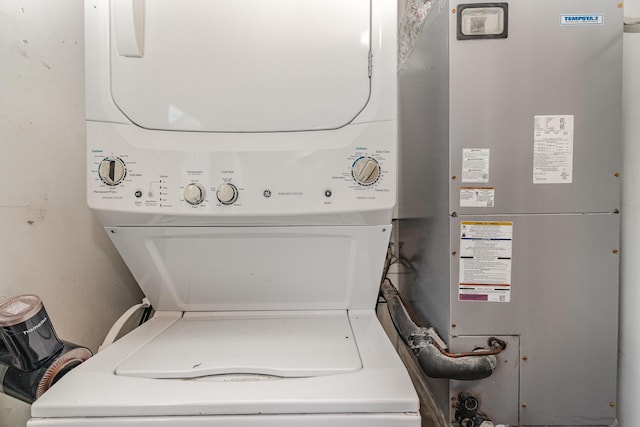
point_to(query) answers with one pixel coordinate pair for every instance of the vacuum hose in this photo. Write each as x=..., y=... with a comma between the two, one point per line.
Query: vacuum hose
x=433, y=359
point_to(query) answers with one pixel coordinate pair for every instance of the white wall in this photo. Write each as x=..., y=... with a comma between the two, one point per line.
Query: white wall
x=50, y=243
x=629, y=356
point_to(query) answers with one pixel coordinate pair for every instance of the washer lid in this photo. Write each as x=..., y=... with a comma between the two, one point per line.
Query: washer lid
x=240, y=66
x=271, y=344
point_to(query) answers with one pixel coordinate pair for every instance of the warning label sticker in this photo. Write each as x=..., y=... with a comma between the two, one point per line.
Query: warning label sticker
x=485, y=261
x=475, y=165
x=477, y=197
x=553, y=150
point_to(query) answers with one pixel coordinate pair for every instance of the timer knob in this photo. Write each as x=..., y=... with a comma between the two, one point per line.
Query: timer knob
x=365, y=170
x=227, y=193
x=112, y=170
x=193, y=194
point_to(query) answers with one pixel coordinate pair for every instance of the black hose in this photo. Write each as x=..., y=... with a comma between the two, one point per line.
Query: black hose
x=434, y=361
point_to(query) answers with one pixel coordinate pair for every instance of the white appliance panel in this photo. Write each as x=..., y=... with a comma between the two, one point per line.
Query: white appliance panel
x=250, y=66
x=93, y=389
x=100, y=105
x=278, y=174
x=255, y=268
x=246, y=346
x=310, y=420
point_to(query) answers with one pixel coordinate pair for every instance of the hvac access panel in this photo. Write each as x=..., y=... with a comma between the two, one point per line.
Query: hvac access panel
x=503, y=397
x=535, y=116
x=554, y=283
x=286, y=67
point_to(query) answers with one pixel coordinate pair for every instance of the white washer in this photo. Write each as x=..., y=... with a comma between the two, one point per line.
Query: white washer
x=315, y=368
x=242, y=158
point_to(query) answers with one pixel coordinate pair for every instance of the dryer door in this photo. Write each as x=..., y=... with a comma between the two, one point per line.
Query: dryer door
x=240, y=66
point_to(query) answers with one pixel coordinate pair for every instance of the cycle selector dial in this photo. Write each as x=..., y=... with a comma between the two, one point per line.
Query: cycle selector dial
x=193, y=194
x=227, y=193
x=365, y=170
x=112, y=170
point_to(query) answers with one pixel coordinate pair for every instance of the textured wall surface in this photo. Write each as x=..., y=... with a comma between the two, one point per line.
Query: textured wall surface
x=50, y=243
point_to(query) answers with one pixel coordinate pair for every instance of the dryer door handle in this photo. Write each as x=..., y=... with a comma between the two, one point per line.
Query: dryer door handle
x=129, y=27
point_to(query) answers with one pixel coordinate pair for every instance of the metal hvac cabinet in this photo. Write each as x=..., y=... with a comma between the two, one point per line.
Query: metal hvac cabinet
x=510, y=189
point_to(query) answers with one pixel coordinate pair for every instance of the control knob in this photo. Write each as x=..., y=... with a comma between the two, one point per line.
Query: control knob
x=365, y=170
x=193, y=194
x=227, y=193
x=112, y=170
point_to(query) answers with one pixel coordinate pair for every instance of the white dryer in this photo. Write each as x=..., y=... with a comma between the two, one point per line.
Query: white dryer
x=242, y=157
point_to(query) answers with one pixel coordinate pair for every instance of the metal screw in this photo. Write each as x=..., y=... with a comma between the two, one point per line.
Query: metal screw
x=453, y=325
x=453, y=10
x=617, y=174
x=620, y=5
x=453, y=253
x=525, y=358
x=453, y=177
x=524, y=405
x=612, y=404
x=615, y=251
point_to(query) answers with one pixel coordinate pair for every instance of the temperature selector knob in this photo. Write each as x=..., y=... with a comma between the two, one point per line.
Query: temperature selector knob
x=227, y=193
x=193, y=194
x=112, y=170
x=365, y=170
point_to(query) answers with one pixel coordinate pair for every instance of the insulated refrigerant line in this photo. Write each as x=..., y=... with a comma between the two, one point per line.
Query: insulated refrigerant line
x=433, y=359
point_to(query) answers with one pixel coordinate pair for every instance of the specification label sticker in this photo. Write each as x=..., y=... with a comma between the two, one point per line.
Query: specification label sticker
x=475, y=165
x=553, y=150
x=485, y=261
x=477, y=197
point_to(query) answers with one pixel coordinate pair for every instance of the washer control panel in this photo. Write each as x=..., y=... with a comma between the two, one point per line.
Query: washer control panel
x=356, y=174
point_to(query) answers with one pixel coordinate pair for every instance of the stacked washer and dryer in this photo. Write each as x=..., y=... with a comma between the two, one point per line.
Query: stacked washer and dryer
x=242, y=158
